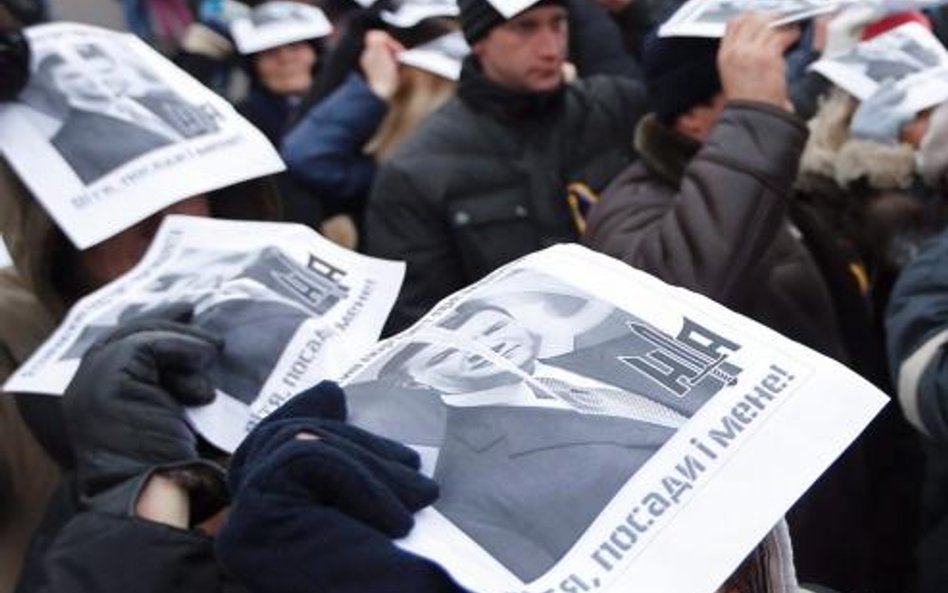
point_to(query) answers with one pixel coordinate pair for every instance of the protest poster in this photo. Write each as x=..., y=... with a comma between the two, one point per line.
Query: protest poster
x=108, y=132
x=594, y=429
x=411, y=12
x=442, y=56
x=909, y=55
x=291, y=307
x=709, y=18
x=277, y=23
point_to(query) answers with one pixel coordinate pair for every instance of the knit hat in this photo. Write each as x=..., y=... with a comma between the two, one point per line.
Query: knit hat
x=478, y=17
x=680, y=73
x=933, y=154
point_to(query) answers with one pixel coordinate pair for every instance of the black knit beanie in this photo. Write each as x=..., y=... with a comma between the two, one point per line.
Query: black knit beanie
x=478, y=17
x=680, y=73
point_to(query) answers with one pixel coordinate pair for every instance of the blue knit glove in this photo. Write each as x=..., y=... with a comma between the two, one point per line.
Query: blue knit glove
x=881, y=117
x=317, y=502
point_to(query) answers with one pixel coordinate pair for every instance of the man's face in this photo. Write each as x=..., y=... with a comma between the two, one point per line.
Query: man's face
x=453, y=370
x=527, y=52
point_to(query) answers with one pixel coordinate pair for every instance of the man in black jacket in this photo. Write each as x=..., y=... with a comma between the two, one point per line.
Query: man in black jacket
x=500, y=170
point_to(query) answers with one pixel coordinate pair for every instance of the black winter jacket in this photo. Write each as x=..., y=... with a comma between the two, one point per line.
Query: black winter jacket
x=484, y=180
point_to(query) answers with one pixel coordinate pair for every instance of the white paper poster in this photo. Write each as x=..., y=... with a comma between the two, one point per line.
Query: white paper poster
x=291, y=307
x=108, y=132
x=909, y=55
x=594, y=429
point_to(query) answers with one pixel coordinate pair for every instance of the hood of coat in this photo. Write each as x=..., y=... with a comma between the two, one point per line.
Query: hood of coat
x=39, y=249
x=832, y=155
x=664, y=151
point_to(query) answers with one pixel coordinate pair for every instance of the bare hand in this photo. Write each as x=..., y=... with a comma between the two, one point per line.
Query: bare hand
x=751, y=62
x=379, y=62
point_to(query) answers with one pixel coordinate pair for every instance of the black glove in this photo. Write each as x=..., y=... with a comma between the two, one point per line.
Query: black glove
x=124, y=411
x=14, y=64
x=317, y=501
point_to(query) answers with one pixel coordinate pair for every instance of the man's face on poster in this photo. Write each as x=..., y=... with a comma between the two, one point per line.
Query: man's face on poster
x=455, y=370
x=96, y=79
x=77, y=83
x=109, y=73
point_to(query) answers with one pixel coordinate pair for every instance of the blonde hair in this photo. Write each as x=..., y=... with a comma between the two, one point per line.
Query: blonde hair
x=418, y=95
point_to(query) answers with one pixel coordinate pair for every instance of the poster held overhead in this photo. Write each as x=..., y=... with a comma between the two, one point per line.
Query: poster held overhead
x=909, y=56
x=277, y=23
x=109, y=132
x=602, y=438
x=291, y=307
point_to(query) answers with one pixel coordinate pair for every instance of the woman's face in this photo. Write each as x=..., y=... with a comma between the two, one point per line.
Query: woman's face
x=111, y=258
x=287, y=69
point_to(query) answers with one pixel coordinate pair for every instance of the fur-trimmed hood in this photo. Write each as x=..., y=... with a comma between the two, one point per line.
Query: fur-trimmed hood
x=831, y=154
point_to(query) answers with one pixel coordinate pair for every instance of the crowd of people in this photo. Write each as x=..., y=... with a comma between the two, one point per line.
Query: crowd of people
x=721, y=165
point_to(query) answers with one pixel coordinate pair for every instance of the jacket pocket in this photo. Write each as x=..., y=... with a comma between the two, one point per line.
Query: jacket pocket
x=491, y=230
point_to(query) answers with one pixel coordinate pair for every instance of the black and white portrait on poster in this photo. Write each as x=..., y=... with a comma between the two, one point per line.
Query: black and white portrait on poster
x=573, y=412
x=533, y=384
x=255, y=301
x=108, y=132
x=110, y=109
x=909, y=56
x=289, y=307
x=709, y=18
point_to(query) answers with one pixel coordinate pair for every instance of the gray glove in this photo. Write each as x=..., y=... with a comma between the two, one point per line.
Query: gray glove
x=124, y=411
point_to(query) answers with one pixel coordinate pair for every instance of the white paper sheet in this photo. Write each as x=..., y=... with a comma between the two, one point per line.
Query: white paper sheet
x=594, y=429
x=291, y=307
x=910, y=55
x=108, y=132
x=277, y=23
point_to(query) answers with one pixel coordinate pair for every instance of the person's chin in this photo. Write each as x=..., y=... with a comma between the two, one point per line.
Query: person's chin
x=546, y=83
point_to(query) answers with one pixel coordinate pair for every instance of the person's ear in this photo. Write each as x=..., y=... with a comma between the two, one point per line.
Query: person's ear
x=478, y=48
x=691, y=124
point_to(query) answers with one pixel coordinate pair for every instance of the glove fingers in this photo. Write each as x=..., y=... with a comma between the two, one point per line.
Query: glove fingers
x=378, y=445
x=325, y=400
x=327, y=476
x=413, y=489
x=182, y=361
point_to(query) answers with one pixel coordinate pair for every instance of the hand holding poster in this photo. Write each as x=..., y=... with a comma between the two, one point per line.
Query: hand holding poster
x=909, y=55
x=108, y=132
x=581, y=441
x=291, y=307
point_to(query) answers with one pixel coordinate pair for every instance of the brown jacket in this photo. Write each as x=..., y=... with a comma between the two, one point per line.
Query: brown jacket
x=27, y=474
x=714, y=219
x=31, y=306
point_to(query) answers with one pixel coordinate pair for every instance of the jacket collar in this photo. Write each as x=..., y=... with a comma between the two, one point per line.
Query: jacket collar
x=665, y=152
x=486, y=96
